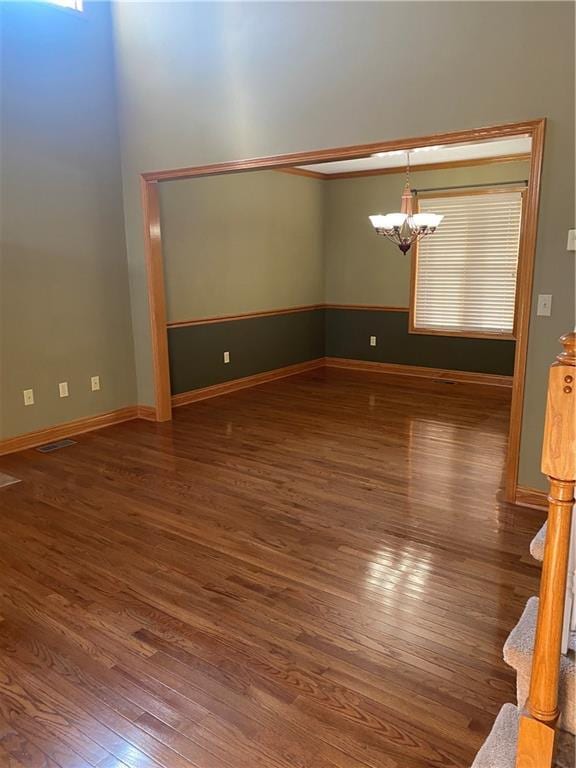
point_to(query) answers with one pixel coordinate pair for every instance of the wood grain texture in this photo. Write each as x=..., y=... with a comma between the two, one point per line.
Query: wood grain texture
x=315, y=573
x=420, y=167
x=280, y=311
x=69, y=429
x=156, y=297
x=543, y=699
x=529, y=127
x=216, y=390
x=153, y=246
x=464, y=377
x=244, y=315
x=304, y=172
x=531, y=202
x=146, y=412
x=531, y=497
x=559, y=447
x=535, y=743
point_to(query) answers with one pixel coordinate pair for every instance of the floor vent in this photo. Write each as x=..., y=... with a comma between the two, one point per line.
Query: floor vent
x=49, y=447
x=8, y=480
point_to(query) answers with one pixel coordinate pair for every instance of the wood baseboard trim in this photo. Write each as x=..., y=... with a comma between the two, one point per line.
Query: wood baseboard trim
x=531, y=497
x=460, y=377
x=234, y=385
x=68, y=429
x=524, y=497
x=146, y=412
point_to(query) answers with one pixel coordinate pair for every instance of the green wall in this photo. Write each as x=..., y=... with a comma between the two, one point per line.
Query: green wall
x=259, y=80
x=241, y=243
x=362, y=268
x=257, y=241
x=64, y=292
x=348, y=331
x=255, y=344
x=254, y=82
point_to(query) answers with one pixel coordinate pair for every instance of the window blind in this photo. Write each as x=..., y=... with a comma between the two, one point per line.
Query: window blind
x=466, y=270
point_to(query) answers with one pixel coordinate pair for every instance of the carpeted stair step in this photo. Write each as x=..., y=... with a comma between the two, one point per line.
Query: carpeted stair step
x=518, y=654
x=499, y=749
x=537, y=544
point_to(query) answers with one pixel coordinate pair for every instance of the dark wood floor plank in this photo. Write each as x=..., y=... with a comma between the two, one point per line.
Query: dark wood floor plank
x=317, y=573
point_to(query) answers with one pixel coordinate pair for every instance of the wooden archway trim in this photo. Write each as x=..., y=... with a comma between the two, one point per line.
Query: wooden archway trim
x=154, y=259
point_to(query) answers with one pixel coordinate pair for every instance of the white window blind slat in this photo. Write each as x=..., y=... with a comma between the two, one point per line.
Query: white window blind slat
x=466, y=271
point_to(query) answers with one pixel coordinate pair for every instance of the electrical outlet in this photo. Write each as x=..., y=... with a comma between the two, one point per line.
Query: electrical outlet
x=28, y=396
x=544, y=305
x=372, y=341
x=95, y=383
x=63, y=388
x=226, y=357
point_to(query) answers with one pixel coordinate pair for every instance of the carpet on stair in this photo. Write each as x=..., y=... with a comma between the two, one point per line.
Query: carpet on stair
x=518, y=651
x=499, y=749
x=537, y=544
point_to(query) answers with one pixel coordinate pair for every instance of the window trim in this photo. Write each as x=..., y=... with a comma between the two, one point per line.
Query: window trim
x=412, y=328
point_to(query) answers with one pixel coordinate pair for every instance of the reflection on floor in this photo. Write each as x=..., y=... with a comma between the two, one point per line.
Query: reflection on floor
x=315, y=573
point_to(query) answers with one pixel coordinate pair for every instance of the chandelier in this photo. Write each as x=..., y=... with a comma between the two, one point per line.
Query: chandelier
x=406, y=227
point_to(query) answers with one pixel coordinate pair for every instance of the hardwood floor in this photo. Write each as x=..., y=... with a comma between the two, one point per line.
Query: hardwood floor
x=316, y=573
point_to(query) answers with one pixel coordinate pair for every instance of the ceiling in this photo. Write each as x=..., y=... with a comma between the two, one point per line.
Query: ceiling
x=427, y=155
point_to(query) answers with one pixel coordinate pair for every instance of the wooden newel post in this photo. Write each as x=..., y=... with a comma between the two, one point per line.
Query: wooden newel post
x=537, y=723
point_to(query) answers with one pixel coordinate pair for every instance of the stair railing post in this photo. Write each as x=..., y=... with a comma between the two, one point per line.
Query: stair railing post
x=538, y=721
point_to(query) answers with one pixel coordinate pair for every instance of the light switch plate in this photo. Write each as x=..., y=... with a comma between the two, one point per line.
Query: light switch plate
x=28, y=396
x=571, y=240
x=226, y=357
x=63, y=389
x=544, y=305
x=95, y=383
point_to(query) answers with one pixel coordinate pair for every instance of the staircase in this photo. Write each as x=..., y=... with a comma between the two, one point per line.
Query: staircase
x=540, y=731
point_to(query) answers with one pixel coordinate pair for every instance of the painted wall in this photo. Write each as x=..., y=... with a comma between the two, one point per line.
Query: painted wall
x=241, y=243
x=257, y=82
x=259, y=241
x=64, y=294
x=348, y=331
x=364, y=269
x=255, y=345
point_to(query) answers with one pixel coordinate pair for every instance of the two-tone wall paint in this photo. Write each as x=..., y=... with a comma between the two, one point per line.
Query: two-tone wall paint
x=256, y=81
x=235, y=244
x=259, y=80
x=262, y=241
x=245, y=242
x=364, y=269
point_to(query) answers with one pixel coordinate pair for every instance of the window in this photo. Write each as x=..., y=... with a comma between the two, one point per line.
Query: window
x=464, y=279
x=74, y=5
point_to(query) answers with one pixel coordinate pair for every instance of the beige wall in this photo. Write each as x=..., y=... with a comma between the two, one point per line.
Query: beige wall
x=64, y=295
x=362, y=268
x=259, y=80
x=241, y=243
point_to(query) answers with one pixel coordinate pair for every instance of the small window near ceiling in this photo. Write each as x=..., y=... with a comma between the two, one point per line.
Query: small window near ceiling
x=464, y=275
x=74, y=5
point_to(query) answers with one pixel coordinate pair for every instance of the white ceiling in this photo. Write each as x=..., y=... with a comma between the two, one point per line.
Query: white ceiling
x=426, y=155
